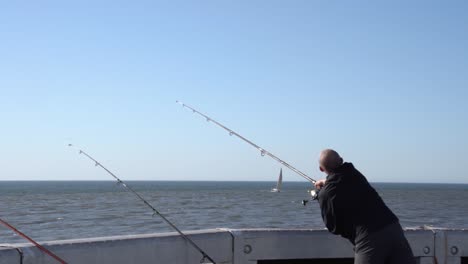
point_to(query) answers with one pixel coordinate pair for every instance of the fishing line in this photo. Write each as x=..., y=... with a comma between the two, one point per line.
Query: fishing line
x=43, y=249
x=263, y=151
x=155, y=211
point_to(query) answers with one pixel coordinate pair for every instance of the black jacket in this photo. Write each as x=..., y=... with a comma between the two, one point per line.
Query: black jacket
x=350, y=206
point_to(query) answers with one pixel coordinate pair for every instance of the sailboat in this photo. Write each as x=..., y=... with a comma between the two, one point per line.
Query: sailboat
x=280, y=181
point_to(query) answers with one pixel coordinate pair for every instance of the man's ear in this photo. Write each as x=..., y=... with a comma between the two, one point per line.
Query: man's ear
x=321, y=169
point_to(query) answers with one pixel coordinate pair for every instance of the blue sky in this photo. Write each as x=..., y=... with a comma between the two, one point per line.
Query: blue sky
x=384, y=83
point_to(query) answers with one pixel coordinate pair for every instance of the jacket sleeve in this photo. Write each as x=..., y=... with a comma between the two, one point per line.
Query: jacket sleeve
x=328, y=205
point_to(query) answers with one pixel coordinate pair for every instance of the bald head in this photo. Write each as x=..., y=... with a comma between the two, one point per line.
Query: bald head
x=329, y=160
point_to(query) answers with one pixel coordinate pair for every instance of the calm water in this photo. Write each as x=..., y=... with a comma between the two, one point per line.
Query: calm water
x=64, y=210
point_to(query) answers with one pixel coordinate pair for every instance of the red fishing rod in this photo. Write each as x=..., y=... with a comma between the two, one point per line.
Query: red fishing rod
x=43, y=249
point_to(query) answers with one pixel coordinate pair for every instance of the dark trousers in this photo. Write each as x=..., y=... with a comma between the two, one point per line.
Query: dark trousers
x=386, y=246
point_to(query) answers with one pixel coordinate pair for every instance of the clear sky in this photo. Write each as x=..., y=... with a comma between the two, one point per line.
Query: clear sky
x=385, y=83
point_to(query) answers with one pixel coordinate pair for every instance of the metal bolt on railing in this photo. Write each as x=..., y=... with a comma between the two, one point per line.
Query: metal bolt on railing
x=426, y=250
x=247, y=249
x=454, y=250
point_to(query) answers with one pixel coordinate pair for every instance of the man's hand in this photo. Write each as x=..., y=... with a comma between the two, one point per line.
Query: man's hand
x=319, y=184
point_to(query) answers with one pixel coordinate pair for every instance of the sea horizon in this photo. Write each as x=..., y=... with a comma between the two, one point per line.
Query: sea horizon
x=284, y=181
x=68, y=209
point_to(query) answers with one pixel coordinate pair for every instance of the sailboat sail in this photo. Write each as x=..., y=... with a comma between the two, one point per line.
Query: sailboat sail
x=280, y=180
x=279, y=183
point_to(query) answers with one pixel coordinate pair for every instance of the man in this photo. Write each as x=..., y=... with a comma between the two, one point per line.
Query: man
x=353, y=209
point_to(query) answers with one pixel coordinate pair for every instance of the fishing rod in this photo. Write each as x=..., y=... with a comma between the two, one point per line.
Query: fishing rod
x=155, y=211
x=42, y=248
x=263, y=151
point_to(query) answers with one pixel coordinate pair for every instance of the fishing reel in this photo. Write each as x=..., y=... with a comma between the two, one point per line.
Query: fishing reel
x=313, y=193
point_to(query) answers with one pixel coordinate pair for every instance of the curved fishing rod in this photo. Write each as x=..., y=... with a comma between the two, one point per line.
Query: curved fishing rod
x=42, y=248
x=155, y=211
x=263, y=152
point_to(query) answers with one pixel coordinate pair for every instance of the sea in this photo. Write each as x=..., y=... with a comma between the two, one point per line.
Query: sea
x=56, y=210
